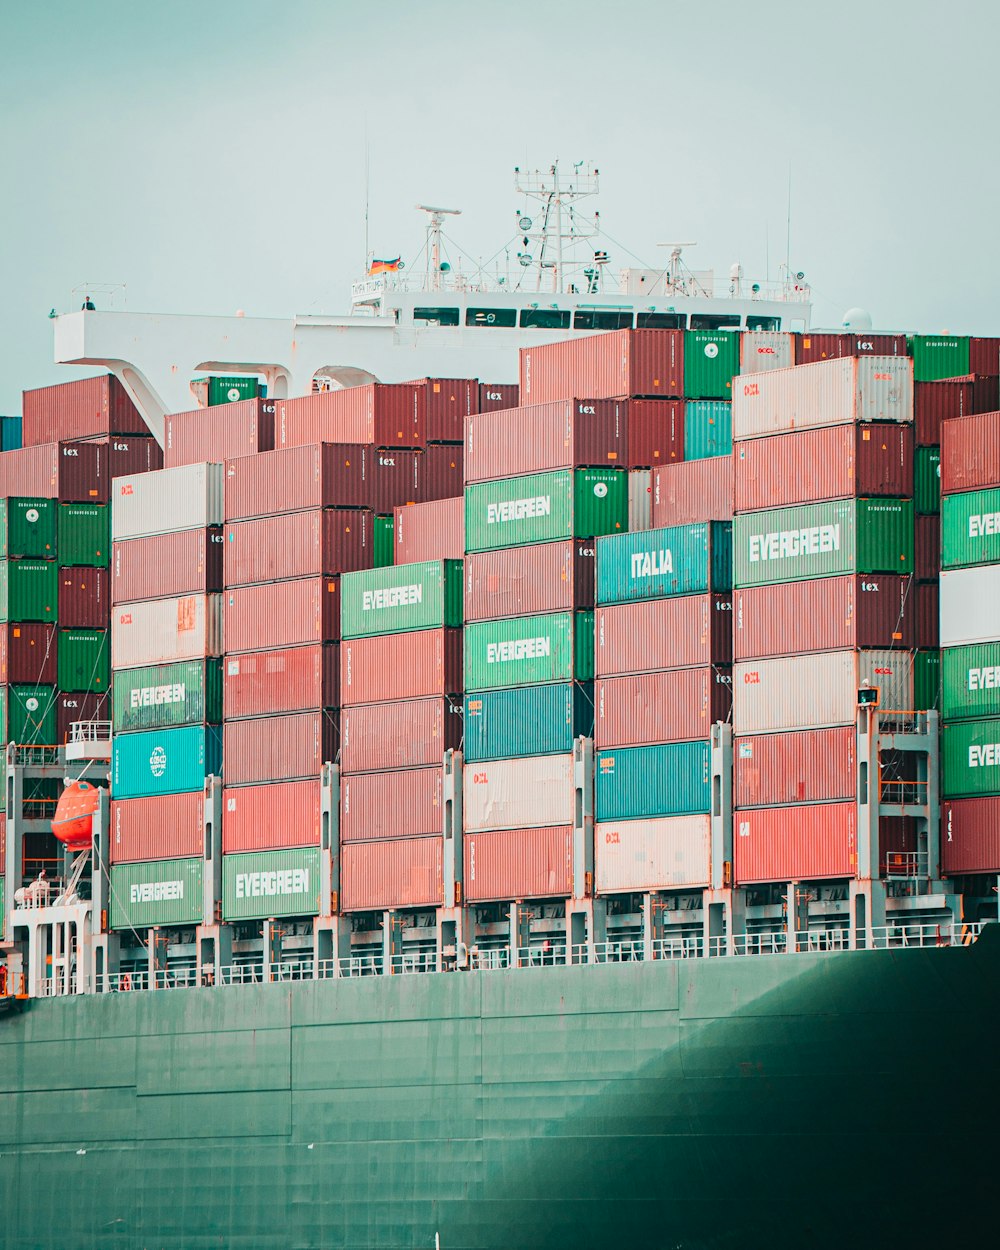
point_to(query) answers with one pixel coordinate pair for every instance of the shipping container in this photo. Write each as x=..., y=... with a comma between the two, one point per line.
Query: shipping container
x=815, y=842
x=281, y=614
x=970, y=528
x=401, y=598
x=939, y=356
x=84, y=660
x=672, y=779
x=622, y=363
x=655, y=432
x=811, y=347
x=186, y=498
x=28, y=714
x=164, y=761
x=163, y=892
x=167, y=695
x=708, y=428
x=72, y=709
x=970, y=453
x=927, y=480
x=223, y=432
x=385, y=416
x=518, y=864
x=424, y=664
x=162, y=566
x=970, y=836
x=383, y=545
x=817, y=690
x=970, y=682
x=676, y=560
x=545, y=507
x=28, y=528
x=429, y=531
x=440, y=474
x=11, y=434
x=81, y=409
x=814, y=766
x=524, y=581
x=411, y=733
x=833, y=392
x=927, y=547
x=29, y=590
x=402, y=803
x=70, y=472
x=640, y=499
x=711, y=361
x=397, y=873
x=670, y=853
x=970, y=758
x=278, y=748
x=678, y=705
x=319, y=475
x=693, y=492
x=157, y=631
x=763, y=350
x=527, y=720
x=495, y=395
x=936, y=402
x=519, y=793
x=562, y=434
x=169, y=826
x=927, y=615
x=28, y=653
x=927, y=680
x=291, y=679
x=84, y=534
x=260, y=885
x=129, y=456
x=271, y=817
x=448, y=402
x=521, y=651
x=216, y=390
x=299, y=544
x=836, y=462
x=663, y=634
x=970, y=605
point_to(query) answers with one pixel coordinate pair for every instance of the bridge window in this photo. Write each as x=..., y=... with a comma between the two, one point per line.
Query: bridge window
x=436, y=316
x=660, y=321
x=763, y=323
x=611, y=319
x=714, y=321
x=502, y=318
x=544, y=319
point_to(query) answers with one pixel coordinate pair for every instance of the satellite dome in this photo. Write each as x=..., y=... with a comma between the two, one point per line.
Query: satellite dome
x=857, y=319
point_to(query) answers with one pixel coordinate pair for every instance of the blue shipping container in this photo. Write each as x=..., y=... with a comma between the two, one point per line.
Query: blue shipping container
x=527, y=720
x=708, y=428
x=636, y=782
x=655, y=564
x=10, y=433
x=164, y=761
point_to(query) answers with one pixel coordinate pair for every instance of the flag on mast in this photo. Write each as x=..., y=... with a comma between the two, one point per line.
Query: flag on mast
x=385, y=266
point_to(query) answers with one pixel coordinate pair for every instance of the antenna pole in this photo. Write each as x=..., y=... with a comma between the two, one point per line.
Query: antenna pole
x=367, y=189
x=557, y=272
x=788, y=225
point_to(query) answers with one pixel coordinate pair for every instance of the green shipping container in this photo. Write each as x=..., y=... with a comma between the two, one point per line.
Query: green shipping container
x=383, y=532
x=261, y=885
x=167, y=695
x=937, y=356
x=164, y=761
x=29, y=590
x=527, y=650
x=28, y=714
x=823, y=540
x=3, y=913
x=970, y=681
x=401, y=598
x=160, y=892
x=927, y=680
x=708, y=428
x=28, y=528
x=545, y=507
x=711, y=361
x=970, y=528
x=927, y=480
x=83, y=661
x=84, y=534
x=230, y=390
x=970, y=758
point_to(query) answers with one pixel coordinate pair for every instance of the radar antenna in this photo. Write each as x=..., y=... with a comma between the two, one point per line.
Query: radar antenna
x=435, y=221
x=674, y=271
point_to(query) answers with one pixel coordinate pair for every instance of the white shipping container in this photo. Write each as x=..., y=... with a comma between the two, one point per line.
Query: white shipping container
x=671, y=853
x=970, y=605
x=640, y=499
x=816, y=691
x=528, y=793
x=830, y=392
x=764, y=350
x=189, y=497
x=158, y=631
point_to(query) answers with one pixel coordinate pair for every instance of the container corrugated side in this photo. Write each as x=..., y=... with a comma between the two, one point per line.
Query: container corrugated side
x=81, y=409
x=927, y=480
x=271, y=817
x=28, y=652
x=518, y=793
x=185, y=498
x=84, y=533
x=970, y=528
x=970, y=836
x=408, y=733
x=260, y=885
x=540, y=438
x=29, y=590
x=299, y=544
x=282, y=614
x=545, y=507
x=527, y=720
x=693, y=491
x=385, y=415
x=159, y=631
x=430, y=531
x=657, y=634
x=167, y=695
x=84, y=660
x=278, y=748
x=811, y=347
x=671, y=853
x=290, y=679
x=515, y=864
x=939, y=401
x=241, y=428
x=389, y=667
x=711, y=361
x=84, y=598
x=164, y=892
x=401, y=803
x=814, y=766
x=401, y=598
x=970, y=453
x=672, y=779
x=970, y=758
x=939, y=356
x=164, y=761
x=70, y=472
x=28, y=527
x=447, y=401
x=970, y=681
x=970, y=605
x=708, y=428
x=494, y=395
x=317, y=475
x=530, y=580
x=623, y=362
x=396, y=872
x=764, y=350
x=74, y=708
x=520, y=651
x=169, y=826
x=805, y=843
x=162, y=566
x=678, y=705
x=653, y=564
x=655, y=432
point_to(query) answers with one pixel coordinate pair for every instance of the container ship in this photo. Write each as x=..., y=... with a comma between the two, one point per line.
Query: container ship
x=543, y=811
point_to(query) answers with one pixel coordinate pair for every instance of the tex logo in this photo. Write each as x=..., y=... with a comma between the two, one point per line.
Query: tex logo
x=158, y=761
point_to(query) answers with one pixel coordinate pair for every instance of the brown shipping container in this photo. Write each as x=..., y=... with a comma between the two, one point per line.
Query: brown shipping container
x=395, y=478
x=620, y=364
x=439, y=474
x=3, y=837
x=877, y=610
x=970, y=453
x=836, y=462
x=318, y=475
x=565, y=434
x=401, y=872
x=277, y=748
x=693, y=491
x=970, y=836
x=298, y=544
x=281, y=614
x=496, y=395
x=169, y=826
x=811, y=842
x=412, y=733
x=985, y=393
x=430, y=531
x=132, y=455
x=681, y=632
x=655, y=432
x=184, y=562
x=422, y=664
x=71, y=708
x=271, y=817
x=927, y=547
x=984, y=356
x=527, y=581
x=84, y=598
x=219, y=433
x=676, y=706
x=387, y=416
x=82, y=409
x=28, y=653
x=934, y=402
x=69, y=472
x=406, y=803
x=811, y=766
x=517, y=864
x=811, y=347
x=927, y=623
x=448, y=402
x=295, y=679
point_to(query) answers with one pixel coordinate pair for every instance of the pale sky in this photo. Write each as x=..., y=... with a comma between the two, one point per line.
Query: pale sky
x=211, y=155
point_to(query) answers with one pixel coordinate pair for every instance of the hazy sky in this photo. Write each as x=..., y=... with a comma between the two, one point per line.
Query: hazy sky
x=211, y=155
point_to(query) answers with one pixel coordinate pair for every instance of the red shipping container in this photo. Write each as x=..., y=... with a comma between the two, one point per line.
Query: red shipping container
x=448, y=402
x=319, y=475
x=655, y=432
x=271, y=817
x=168, y=826
x=516, y=864
x=496, y=395
x=810, y=766
x=680, y=705
x=876, y=610
x=295, y=679
x=412, y=733
x=418, y=665
x=682, y=632
x=82, y=409
x=927, y=632
x=970, y=453
x=430, y=531
x=984, y=357
x=164, y=566
x=28, y=653
x=132, y=455
x=693, y=491
x=406, y=803
x=401, y=872
x=439, y=474
x=970, y=836
x=836, y=462
x=71, y=708
x=530, y=580
x=934, y=402
x=927, y=548
x=810, y=842
x=298, y=544
x=386, y=416
x=69, y=472
x=84, y=598
x=649, y=363
x=811, y=347
x=281, y=614
x=278, y=748
x=221, y=432
x=565, y=434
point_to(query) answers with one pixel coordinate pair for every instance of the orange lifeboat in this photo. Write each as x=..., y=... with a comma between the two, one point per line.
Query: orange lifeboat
x=72, y=823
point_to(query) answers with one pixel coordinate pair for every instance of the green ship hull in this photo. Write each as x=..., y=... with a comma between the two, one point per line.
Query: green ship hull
x=844, y=1100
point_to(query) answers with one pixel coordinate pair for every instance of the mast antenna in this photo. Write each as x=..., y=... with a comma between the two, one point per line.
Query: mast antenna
x=435, y=221
x=550, y=232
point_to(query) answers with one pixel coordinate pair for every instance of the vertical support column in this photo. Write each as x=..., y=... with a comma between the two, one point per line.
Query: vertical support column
x=867, y=797
x=583, y=818
x=157, y=958
x=722, y=805
x=453, y=920
x=520, y=932
x=14, y=866
x=272, y=933
x=392, y=941
x=212, y=853
x=331, y=931
x=100, y=869
x=933, y=799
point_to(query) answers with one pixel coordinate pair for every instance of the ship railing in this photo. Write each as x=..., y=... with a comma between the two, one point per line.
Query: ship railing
x=627, y=951
x=360, y=966
x=90, y=731
x=902, y=934
x=489, y=958
x=905, y=865
x=242, y=974
x=821, y=940
x=414, y=962
x=775, y=943
x=546, y=955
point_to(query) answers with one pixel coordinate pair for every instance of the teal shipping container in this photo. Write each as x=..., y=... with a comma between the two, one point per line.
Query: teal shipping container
x=524, y=650
x=637, y=782
x=167, y=695
x=656, y=564
x=708, y=428
x=527, y=720
x=164, y=761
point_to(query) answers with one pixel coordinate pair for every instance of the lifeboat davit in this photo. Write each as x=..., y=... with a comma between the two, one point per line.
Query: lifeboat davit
x=72, y=823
